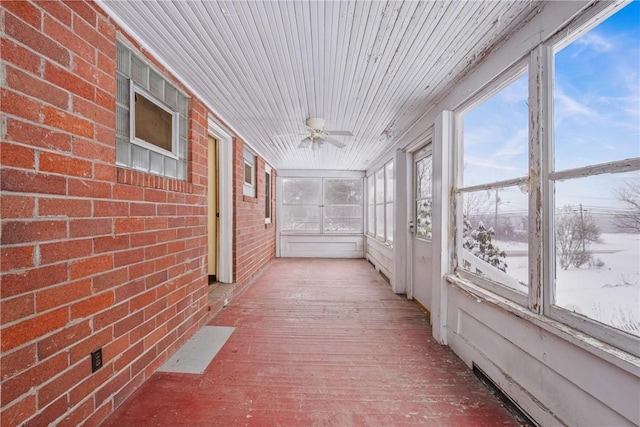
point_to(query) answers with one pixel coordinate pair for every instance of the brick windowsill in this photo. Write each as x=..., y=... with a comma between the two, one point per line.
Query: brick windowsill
x=142, y=179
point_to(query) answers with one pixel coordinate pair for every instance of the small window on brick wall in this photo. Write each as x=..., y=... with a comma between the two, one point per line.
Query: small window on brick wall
x=151, y=119
x=267, y=194
x=249, y=187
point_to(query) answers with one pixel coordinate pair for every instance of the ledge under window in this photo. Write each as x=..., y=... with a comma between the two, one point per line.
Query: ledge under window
x=142, y=179
x=613, y=355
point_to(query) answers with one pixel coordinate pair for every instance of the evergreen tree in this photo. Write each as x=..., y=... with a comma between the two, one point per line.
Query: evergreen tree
x=480, y=243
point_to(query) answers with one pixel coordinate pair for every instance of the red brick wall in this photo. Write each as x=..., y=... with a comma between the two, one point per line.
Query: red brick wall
x=92, y=255
x=254, y=241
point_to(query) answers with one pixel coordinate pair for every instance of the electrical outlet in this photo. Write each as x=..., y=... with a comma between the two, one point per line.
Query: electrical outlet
x=96, y=360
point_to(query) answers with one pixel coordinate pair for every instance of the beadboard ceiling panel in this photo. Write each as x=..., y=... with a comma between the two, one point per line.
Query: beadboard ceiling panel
x=370, y=67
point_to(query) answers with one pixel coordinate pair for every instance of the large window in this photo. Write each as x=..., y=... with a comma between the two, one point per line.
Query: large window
x=267, y=194
x=595, y=177
x=322, y=205
x=151, y=118
x=380, y=203
x=548, y=192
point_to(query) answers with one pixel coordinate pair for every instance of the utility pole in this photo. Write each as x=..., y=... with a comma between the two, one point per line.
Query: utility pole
x=495, y=223
x=582, y=230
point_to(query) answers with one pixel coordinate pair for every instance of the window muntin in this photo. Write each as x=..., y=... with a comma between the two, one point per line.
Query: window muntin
x=424, y=197
x=492, y=200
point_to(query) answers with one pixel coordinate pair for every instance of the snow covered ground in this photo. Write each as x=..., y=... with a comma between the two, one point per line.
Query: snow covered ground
x=609, y=294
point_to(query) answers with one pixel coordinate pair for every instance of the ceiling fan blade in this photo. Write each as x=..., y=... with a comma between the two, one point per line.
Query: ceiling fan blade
x=335, y=142
x=339, y=132
x=305, y=143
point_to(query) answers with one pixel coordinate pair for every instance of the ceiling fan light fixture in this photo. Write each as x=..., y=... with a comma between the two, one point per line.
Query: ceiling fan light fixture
x=315, y=146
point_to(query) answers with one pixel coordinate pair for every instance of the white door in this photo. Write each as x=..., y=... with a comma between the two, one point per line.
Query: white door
x=422, y=249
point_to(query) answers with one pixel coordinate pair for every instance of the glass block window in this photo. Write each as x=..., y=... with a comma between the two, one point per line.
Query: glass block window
x=151, y=118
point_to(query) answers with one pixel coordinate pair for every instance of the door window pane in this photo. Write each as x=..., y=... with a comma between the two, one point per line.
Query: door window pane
x=424, y=211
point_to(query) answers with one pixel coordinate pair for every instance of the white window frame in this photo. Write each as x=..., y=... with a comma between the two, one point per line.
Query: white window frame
x=325, y=205
x=371, y=203
x=381, y=238
x=249, y=188
x=423, y=154
x=134, y=89
x=541, y=180
x=268, y=185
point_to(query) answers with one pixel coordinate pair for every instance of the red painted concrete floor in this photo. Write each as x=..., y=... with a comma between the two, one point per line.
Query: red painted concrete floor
x=320, y=343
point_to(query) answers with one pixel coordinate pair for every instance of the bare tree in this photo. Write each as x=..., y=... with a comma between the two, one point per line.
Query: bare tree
x=576, y=230
x=628, y=220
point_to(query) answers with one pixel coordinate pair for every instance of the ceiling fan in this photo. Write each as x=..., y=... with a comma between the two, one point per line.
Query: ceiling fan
x=318, y=136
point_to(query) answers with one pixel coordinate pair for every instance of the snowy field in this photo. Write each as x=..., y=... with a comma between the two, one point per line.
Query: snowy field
x=609, y=294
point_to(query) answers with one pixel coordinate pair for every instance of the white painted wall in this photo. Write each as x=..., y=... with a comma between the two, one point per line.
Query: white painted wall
x=558, y=375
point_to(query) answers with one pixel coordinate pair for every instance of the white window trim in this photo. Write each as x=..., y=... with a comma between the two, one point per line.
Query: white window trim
x=135, y=88
x=267, y=171
x=253, y=178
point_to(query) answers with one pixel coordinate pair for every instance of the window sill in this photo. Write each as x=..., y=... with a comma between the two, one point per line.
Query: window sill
x=143, y=179
x=613, y=355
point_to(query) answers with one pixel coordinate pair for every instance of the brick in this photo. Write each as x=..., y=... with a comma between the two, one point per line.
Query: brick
x=20, y=384
x=57, y=296
x=68, y=122
x=128, y=257
x=65, y=165
x=49, y=414
x=142, y=209
x=14, y=232
x=83, y=10
x=65, y=338
x=107, y=29
x=90, y=266
x=93, y=151
x=128, y=225
x=64, y=207
x=35, y=87
x=56, y=9
x=140, y=364
x=127, y=192
x=30, y=182
x=28, y=330
x=19, y=105
x=128, y=390
x=17, y=206
x=99, y=415
x=63, y=383
x=22, y=58
x=29, y=280
x=110, y=243
x=69, y=81
x=110, y=208
x=104, y=172
x=17, y=361
x=14, y=258
x=90, y=227
x=78, y=415
x=89, y=188
x=25, y=11
x=92, y=305
x=112, y=386
x=110, y=279
x=89, y=33
x=16, y=414
x=134, y=287
x=153, y=195
x=95, y=113
x=17, y=156
x=16, y=308
x=155, y=279
x=83, y=349
x=88, y=386
x=65, y=250
x=63, y=35
x=37, y=136
x=105, y=100
x=107, y=64
x=126, y=325
x=109, y=317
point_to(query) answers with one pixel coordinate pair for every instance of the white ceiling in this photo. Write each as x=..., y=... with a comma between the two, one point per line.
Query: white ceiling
x=371, y=67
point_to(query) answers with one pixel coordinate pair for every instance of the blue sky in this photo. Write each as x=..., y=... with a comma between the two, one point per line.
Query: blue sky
x=596, y=115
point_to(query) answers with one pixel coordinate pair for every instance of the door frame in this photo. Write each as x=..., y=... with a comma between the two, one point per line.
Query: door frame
x=225, y=200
